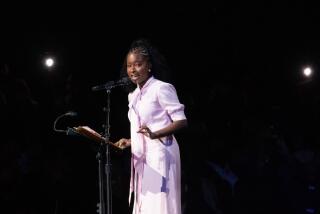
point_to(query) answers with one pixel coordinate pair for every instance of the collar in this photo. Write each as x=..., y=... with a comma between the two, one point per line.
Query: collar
x=137, y=91
x=146, y=84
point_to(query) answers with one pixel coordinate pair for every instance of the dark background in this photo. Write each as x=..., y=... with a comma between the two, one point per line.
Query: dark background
x=251, y=145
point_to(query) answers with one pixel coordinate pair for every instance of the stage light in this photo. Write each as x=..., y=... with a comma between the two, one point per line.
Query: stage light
x=307, y=71
x=49, y=62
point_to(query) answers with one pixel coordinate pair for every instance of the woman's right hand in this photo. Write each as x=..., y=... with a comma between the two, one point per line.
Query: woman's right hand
x=123, y=143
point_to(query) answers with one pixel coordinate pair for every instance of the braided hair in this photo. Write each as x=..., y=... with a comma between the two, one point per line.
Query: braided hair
x=159, y=67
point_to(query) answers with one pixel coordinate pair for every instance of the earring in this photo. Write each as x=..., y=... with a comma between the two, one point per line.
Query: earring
x=149, y=70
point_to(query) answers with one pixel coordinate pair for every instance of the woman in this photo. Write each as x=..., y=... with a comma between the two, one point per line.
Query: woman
x=155, y=114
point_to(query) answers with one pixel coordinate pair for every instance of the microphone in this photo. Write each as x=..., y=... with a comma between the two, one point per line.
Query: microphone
x=111, y=84
x=69, y=113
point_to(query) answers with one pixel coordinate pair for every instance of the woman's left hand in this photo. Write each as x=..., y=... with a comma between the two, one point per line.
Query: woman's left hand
x=146, y=132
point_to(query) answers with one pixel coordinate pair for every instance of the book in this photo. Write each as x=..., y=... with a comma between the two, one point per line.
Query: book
x=93, y=135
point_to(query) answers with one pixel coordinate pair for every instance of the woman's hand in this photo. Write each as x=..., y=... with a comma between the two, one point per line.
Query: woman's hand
x=169, y=130
x=146, y=132
x=123, y=143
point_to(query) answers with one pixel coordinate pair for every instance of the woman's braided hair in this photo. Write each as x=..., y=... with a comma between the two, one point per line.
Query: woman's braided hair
x=159, y=67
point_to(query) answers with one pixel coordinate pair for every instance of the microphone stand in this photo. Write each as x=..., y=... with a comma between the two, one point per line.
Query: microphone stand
x=104, y=162
x=103, y=156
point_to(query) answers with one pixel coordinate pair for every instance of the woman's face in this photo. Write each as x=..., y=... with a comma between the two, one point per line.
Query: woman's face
x=138, y=68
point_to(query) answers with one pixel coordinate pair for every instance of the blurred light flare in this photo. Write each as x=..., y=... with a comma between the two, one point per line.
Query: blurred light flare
x=307, y=71
x=49, y=62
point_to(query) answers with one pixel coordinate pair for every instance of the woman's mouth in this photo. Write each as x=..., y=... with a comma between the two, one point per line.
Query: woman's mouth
x=134, y=78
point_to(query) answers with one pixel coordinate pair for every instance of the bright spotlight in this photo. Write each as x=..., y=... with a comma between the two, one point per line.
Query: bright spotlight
x=307, y=71
x=49, y=62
